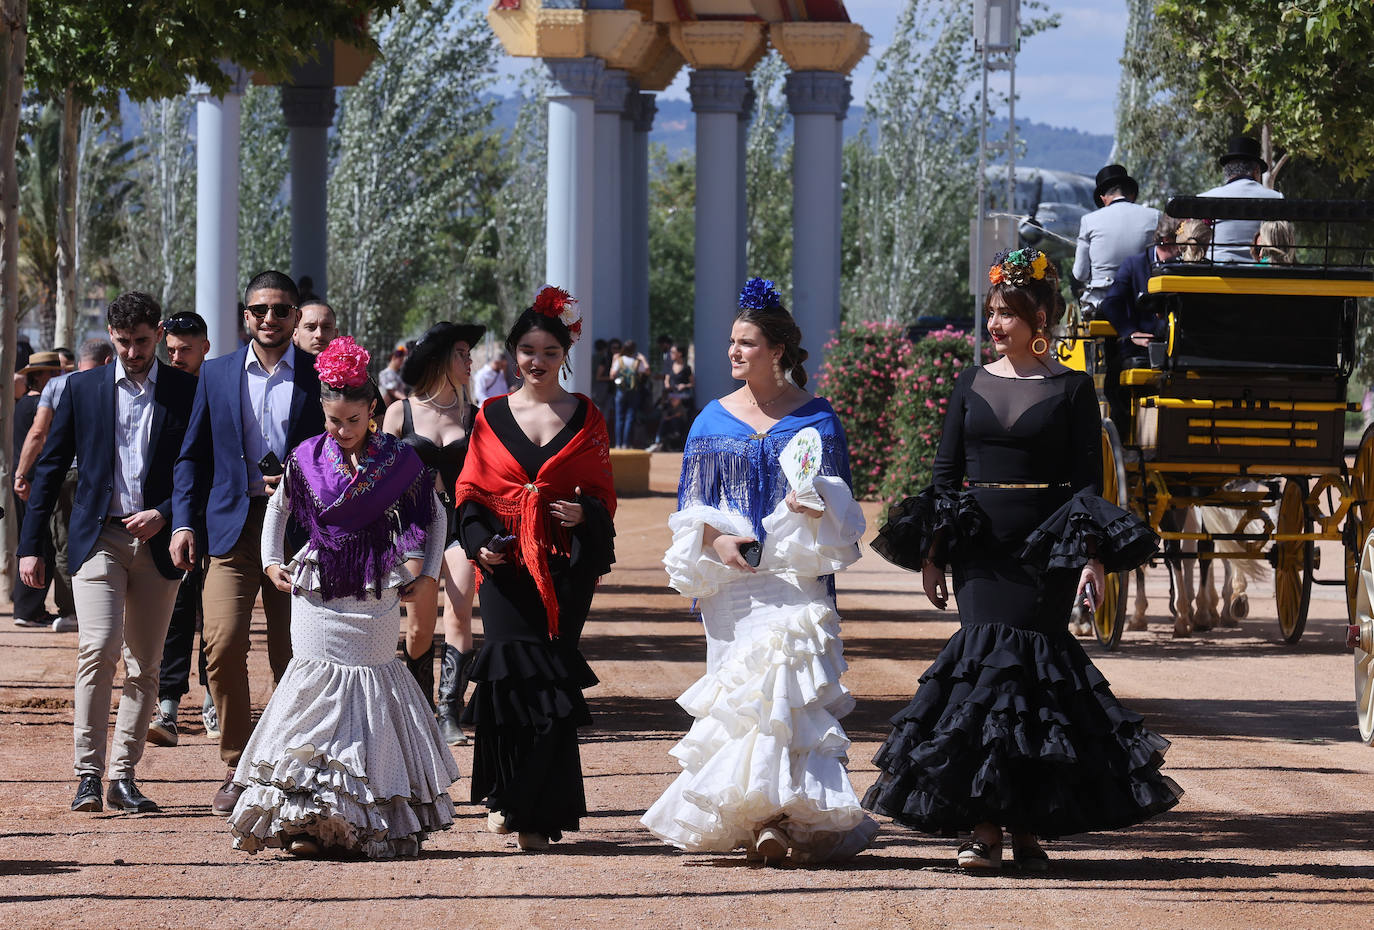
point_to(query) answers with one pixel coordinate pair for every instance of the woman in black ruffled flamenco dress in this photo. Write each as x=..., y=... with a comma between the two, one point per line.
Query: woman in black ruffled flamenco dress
x=535, y=507
x=1012, y=726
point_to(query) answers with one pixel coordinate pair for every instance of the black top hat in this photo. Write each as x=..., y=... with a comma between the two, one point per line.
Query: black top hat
x=1115, y=176
x=434, y=345
x=1243, y=147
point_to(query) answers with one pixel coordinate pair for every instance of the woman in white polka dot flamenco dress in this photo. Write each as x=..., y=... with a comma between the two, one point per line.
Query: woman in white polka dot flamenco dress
x=347, y=757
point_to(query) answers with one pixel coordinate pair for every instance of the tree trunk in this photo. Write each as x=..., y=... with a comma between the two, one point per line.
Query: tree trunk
x=68, y=152
x=14, y=20
x=1267, y=153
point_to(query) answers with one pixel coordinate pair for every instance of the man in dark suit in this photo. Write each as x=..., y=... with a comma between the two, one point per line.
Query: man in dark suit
x=251, y=408
x=130, y=419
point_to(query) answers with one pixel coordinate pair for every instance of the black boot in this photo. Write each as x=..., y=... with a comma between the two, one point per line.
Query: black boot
x=422, y=667
x=454, y=669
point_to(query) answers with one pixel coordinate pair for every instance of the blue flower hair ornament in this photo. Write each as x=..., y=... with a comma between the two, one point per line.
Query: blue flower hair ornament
x=759, y=294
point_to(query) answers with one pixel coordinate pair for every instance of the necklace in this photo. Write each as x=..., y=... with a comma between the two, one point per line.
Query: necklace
x=754, y=401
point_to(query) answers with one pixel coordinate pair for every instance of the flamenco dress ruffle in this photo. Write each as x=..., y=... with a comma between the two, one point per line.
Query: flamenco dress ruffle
x=1017, y=727
x=1012, y=724
x=766, y=745
x=527, y=706
x=347, y=750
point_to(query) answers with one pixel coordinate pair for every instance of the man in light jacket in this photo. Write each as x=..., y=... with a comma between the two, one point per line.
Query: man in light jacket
x=1243, y=167
x=1109, y=235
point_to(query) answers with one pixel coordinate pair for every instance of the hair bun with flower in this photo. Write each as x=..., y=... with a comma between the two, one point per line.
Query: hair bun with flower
x=557, y=303
x=759, y=294
x=1018, y=267
x=343, y=364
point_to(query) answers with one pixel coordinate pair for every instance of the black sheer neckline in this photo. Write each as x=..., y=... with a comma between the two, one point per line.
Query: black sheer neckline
x=1066, y=371
x=530, y=456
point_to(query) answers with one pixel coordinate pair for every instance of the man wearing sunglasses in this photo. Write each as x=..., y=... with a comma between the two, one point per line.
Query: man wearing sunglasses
x=251, y=408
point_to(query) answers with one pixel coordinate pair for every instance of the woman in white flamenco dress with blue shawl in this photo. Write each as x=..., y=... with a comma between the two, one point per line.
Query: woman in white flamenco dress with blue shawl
x=763, y=765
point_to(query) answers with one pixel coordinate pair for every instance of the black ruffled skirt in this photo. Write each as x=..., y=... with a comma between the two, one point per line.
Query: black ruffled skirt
x=1017, y=727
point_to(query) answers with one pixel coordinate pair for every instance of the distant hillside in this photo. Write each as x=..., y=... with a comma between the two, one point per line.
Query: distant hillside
x=1045, y=146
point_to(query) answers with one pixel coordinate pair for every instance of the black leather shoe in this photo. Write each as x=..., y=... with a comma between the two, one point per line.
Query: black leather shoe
x=88, y=795
x=124, y=795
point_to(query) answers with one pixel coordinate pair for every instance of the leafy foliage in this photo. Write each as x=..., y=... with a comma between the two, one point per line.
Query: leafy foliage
x=919, y=403
x=768, y=178
x=672, y=237
x=864, y=364
x=403, y=169
x=264, y=202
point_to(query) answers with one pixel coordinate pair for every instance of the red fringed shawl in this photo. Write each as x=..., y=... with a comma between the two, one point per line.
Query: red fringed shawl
x=493, y=478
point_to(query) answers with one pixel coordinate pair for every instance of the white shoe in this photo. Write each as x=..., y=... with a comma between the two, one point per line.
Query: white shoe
x=496, y=823
x=25, y=621
x=771, y=845
x=532, y=842
x=66, y=624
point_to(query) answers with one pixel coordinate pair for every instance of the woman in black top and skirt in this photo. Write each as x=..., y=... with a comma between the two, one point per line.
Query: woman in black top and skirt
x=535, y=507
x=1012, y=726
x=436, y=420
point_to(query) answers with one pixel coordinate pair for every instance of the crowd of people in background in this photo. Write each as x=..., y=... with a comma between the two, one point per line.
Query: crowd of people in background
x=648, y=404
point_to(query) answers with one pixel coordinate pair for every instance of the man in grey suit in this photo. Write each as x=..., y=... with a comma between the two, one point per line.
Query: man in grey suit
x=1243, y=167
x=1109, y=235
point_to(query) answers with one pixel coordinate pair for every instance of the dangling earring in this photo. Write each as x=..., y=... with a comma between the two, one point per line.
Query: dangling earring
x=777, y=373
x=1039, y=345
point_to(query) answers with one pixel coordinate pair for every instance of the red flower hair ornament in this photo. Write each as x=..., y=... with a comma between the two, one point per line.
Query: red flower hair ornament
x=343, y=364
x=557, y=303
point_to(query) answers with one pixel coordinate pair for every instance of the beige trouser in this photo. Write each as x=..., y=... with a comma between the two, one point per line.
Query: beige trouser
x=232, y=584
x=124, y=602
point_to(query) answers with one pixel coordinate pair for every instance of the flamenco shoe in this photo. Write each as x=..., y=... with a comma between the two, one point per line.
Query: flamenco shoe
x=496, y=823
x=532, y=842
x=977, y=854
x=303, y=847
x=771, y=845
x=1029, y=856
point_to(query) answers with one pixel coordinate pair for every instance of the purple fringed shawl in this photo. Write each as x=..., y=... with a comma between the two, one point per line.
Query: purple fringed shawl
x=360, y=525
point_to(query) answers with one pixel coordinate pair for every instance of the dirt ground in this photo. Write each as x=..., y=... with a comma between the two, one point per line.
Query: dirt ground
x=1275, y=830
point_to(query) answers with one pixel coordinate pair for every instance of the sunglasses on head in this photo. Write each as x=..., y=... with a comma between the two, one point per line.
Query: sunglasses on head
x=180, y=324
x=280, y=311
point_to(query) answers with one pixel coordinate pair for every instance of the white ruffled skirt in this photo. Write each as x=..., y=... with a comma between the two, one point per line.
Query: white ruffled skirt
x=347, y=750
x=766, y=746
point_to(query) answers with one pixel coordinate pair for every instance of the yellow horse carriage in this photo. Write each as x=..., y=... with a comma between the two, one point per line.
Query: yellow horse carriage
x=1244, y=407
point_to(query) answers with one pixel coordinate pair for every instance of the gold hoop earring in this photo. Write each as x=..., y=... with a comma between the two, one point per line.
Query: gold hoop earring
x=1040, y=346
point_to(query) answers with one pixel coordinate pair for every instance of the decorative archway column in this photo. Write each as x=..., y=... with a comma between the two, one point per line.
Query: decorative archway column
x=718, y=99
x=820, y=54
x=635, y=193
x=612, y=93
x=819, y=101
x=217, y=211
x=570, y=229
x=308, y=104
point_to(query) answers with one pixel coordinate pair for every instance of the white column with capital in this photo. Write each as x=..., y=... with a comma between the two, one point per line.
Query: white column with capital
x=819, y=101
x=217, y=211
x=309, y=112
x=570, y=221
x=635, y=192
x=718, y=98
x=612, y=90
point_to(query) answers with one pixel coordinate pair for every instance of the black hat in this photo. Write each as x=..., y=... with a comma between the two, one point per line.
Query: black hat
x=1243, y=147
x=1115, y=176
x=436, y=343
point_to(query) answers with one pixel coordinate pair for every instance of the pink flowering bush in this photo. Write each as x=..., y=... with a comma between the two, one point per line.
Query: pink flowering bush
x=862, y=366
x=918, y=406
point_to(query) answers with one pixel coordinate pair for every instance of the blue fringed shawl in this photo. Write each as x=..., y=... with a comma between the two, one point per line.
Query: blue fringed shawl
x=727, y=465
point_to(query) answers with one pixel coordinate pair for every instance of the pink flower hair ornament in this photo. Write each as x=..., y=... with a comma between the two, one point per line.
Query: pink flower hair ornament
x=343, y=364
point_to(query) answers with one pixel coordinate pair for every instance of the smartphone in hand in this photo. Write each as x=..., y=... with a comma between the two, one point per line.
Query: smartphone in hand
x=500, y=543
x=270, y=465
x=751, y=552
x=1090, y=596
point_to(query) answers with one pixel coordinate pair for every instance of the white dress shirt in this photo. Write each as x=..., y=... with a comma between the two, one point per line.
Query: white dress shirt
x=266, y=411
x=1239, y=233
x=488, y=383
x=133, y=431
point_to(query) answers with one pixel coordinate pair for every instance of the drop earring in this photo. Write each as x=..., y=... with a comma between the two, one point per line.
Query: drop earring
x=777, y=374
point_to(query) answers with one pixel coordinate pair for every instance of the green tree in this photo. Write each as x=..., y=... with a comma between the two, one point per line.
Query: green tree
x=768, y=178
x=402, y=173
x=37, y=166
x=1296, y=72
x=672, y=238
x=517, y=220
x=264, y=201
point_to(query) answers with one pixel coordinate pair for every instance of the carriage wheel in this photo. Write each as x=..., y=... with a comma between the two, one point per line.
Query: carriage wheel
x=1364, y=682
x=1293, y=561
x=1360, y=520
x=1110, y=618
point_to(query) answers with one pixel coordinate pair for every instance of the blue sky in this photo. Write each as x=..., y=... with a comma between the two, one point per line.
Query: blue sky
x=1067, y=77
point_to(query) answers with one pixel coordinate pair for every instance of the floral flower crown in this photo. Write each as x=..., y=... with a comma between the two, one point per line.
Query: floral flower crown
x=1018, y=267
x=759, y=294
x=557, y=303
x=343, y=364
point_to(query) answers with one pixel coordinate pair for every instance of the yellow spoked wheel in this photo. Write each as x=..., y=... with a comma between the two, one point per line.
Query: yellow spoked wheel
x=1364, y=682
x=1360, y=518
x=1293, y=561
x=1110, y=617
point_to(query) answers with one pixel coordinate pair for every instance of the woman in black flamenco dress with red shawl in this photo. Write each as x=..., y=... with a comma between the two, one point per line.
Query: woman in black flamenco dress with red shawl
x=1012, y=726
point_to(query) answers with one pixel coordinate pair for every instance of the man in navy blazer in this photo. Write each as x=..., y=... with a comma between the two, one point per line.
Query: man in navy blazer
x=1136, y=324
x=251, y=408
x=130, y=419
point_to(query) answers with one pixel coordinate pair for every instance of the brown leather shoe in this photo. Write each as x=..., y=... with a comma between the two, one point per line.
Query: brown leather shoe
x=227, y=795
